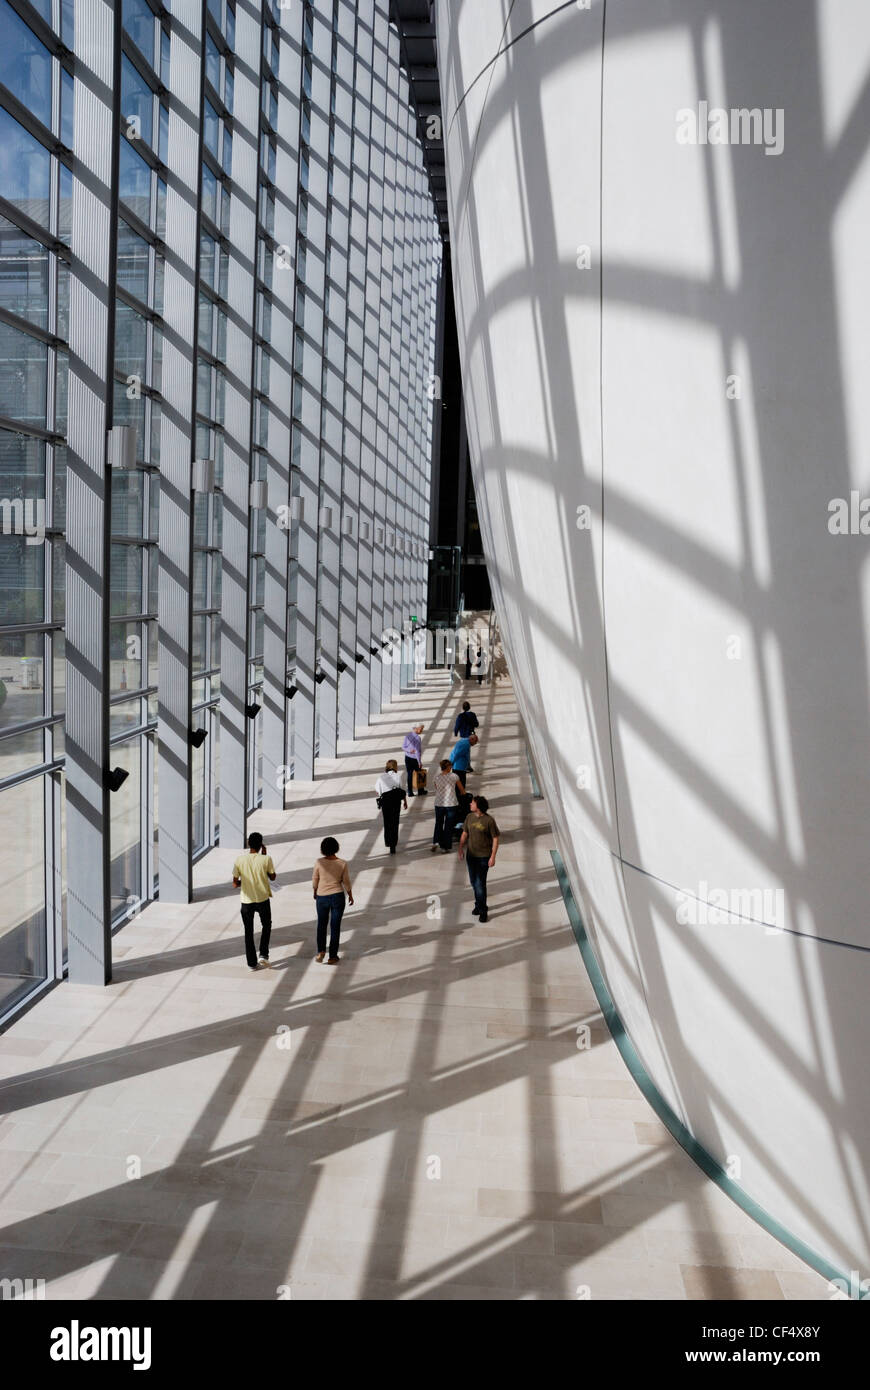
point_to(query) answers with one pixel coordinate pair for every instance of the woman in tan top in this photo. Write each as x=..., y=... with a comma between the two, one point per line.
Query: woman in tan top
x=330, y=881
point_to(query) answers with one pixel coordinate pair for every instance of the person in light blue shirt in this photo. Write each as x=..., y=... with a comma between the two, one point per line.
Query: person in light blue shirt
x=460, y=758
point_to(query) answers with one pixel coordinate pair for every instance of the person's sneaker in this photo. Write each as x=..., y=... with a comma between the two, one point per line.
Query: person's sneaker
x=433, y=849
x=333, y=960
x=445, y=851
x=320, y=955
x=255, y=968
x=264, y=961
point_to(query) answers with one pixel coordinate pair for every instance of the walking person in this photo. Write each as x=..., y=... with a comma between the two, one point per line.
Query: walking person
x=330, y=882
x=254, y=872
x=391, y=799
x=460, y=758
x=448, y=787
x=466, y=721
x=412, y=748
x=481, y=835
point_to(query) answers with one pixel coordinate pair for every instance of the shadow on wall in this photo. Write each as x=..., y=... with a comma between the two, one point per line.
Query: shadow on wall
x=664, y=358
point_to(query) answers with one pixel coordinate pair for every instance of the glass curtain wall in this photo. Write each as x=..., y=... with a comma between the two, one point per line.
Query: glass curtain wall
x=343, y=440
x=36, y=124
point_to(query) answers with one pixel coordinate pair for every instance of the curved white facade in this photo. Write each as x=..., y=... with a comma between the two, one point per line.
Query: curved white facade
x=666, y=358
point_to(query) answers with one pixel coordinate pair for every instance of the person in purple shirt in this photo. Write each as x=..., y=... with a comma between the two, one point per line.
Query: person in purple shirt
x=413, y=751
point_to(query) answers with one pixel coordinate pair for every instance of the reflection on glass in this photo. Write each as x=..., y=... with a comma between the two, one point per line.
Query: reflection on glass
x=126, y=830
x=134, y=182
x=22, y=580
x=23, y=275
x=22, y=694
x=125, y=657
x=138, y=20
x=132, y=262
x=25, y=65
x=23, y=369
x=125, y=582
x=23, y=953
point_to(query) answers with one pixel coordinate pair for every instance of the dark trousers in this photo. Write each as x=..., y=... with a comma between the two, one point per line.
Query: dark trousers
x=330, y=909
x=477, y=871
x=411, y=766
x=443, y=832
x=391, y=809
x=265, y=911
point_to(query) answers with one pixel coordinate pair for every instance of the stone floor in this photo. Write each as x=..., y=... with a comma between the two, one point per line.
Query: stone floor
x=416, y=1123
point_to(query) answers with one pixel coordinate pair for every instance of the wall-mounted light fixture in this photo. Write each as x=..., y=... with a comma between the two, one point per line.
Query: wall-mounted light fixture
x=252, y=710
x=360, y=656
x=115, y=777
x=198, y=737
x=341, y=666
x=290, y=691
x=319, y=677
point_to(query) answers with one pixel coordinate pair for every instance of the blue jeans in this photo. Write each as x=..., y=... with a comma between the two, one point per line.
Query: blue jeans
x=443, y=833
x=330, y=909
x=477, y=871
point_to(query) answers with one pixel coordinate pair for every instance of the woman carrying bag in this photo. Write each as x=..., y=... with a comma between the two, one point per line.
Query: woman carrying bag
x=391, y=799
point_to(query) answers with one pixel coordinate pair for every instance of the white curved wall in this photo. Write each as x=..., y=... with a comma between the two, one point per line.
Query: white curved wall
x=719, y=740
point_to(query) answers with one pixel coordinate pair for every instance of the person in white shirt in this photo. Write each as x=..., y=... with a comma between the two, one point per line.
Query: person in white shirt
x=446, y=785
x=391, y=797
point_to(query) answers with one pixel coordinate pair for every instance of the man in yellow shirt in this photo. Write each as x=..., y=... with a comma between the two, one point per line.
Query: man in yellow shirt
x=253, y=873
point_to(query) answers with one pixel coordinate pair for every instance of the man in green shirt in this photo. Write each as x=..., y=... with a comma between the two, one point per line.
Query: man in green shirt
x=253, y=873
x=481, y=834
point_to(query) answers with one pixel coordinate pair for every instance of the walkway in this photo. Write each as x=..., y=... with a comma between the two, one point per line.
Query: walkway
x=417, y=1122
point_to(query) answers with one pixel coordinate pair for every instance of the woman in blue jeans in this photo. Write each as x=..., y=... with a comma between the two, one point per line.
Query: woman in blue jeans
x=330, y=882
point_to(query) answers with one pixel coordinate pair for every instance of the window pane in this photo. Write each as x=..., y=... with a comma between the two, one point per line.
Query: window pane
x=25, y=64
x=126, y=579
x=22, y=472
x=134, y=182
x=125, y=657
x=126, y=830
x=139, y=22
x=23, y=368
x=22, y=656
x=25, y=169
x=22, y=580
x=127, y=493
x=132, y=262
x=22, y=906
x=130, y=342
x=23, y=275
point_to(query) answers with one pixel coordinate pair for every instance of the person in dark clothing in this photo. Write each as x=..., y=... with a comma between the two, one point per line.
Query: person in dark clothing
x=481, y=835
x=391, y=799
x=466, y=722
x=254, y=872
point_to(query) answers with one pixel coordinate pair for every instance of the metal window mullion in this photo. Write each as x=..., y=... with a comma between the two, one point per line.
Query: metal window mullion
x=177, y=431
